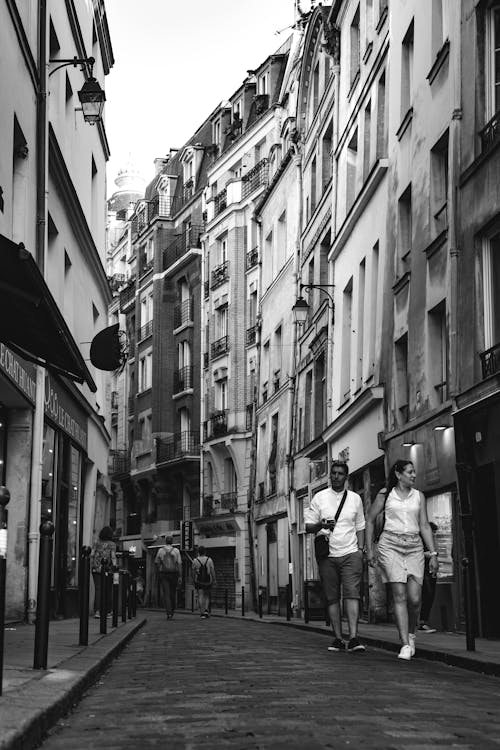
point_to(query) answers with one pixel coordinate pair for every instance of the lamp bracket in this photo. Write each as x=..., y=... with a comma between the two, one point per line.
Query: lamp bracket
x=87, y=64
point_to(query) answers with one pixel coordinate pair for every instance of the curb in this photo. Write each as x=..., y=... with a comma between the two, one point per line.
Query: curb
x=34, y=708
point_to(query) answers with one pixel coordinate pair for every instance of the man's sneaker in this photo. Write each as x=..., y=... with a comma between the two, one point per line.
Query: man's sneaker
x=405, y=653
x=355, y=645
x=337, y=645
x=426, y=629
x=411, y=642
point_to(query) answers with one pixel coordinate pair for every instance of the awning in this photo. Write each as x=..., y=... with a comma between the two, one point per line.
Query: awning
x=30, y=321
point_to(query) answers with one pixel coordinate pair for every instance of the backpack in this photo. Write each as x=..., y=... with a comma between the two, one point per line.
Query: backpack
x=168, y=561
x=203, y=576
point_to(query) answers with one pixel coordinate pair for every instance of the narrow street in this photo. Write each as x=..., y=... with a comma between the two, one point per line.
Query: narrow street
x=193, y=683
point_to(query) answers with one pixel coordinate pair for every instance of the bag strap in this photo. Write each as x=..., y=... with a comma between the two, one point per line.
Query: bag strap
x=339, y=509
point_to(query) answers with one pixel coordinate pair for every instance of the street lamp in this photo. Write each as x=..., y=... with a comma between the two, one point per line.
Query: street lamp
x=91, y=96
x=300, y=309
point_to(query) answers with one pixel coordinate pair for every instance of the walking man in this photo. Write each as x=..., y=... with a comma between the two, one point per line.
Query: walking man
x=204, y=579
x=169, y=565
x=342, y=565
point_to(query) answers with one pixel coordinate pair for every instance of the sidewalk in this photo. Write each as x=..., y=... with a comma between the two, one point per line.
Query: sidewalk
x=33, y=700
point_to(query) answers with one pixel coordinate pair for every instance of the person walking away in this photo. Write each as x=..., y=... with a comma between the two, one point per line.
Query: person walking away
x=169, y=566
x=204, y=579
x=342, y=566
x=103, y=551
x=400, y=552
x=428, y=588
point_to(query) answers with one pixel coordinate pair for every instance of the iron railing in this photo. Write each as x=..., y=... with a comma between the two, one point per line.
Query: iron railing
x=183, y=312
x=177, y=446
x=206, y=289
x=216, y=425
x=146, y=330
x=116, y=281
x=219, y=275
x=183, y=379
x=127, y=295
x=119, y=462
x=490, y=361
x=221, y=346
x=187, y=190
x=181, y=245
x=251, y=335
x=220, y=202
x=161, y=206
x=252, y=258
x=147, y=265
x=490, y=134
x=229, y=500
x=255, y=178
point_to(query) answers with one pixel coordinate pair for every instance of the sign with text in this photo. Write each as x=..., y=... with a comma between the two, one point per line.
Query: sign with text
x=22, y=373
x=187, y=535
x=67, y=415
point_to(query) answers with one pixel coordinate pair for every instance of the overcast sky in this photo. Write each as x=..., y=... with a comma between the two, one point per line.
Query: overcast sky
x=175, y=61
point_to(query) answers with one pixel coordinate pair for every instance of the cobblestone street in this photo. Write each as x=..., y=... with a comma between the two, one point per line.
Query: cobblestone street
x=193, y=683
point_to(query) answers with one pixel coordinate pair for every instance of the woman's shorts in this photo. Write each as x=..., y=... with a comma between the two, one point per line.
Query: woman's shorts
x=400, y=556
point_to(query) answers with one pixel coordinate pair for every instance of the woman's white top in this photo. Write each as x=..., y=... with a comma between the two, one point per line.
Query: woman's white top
x=402, y=514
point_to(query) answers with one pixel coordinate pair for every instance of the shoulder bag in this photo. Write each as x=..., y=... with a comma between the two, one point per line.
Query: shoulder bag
x=322, y=542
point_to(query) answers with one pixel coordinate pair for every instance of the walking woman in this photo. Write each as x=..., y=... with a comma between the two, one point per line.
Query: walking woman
x=400, y=552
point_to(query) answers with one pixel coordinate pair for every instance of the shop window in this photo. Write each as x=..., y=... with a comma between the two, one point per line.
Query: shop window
x=3, y=443
x=439, y=510
x=74, y=493
x=48, y=471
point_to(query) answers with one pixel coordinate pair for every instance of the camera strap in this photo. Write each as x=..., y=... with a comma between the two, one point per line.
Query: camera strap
x=339, y=509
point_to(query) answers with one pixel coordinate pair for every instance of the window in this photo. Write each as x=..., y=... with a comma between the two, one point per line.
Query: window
x=313, y=185
x=315, y=90
x=439, y=183
x=491, y=290
x=273, y=455
x=381, y=119
x=326, y=157
x=345, y=374
x=401, y=366
x=407, y=71
x=281, y=241
x=265, y=365
x=308, y=403
x=221, y=321
x=222, y=394
x=354, y=48
x=360, y=324
x=372, y=333
x=184, y=354
x=252, y=308
x=367, y=141
x=439, y=30
x=492, y=61
x=145, y=372
x=222, y=250
x=368, y=21
x=264, y=83
x=352, y=161
x=404, y=229
x=319, y=394
x=438, y=353
x=216, y=133
x=277, y=357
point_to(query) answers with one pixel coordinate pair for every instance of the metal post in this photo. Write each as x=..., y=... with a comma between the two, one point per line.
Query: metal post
x=43, y=596
x=306, y=603
x=4, y=499
x=260, y=604
x=116, y=594
x=288, y=603
x=226, y=600
x=470, y=640
x=192, y=600
x=103, y=604
x=123, y=574
x=134, y=597
x=243, y=601
x=84, y=595
x=129, y=595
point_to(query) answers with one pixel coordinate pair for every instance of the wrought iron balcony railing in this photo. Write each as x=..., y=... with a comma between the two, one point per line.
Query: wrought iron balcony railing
x=119, y=463
x=229, y=500
x=255, y=178
x=490, y=134
x=490, y=361
x=182, y=244
x=183, y=312
x=221, y=346
x=220, y=202
x=206, y=289
x=146, y=330
x=205, y=360
x=251, y=335
x=219, y=275
x=183, y=379
x=216, y=425
x=127, y=295
x=147, y=265
x=187, y=190
x=178, y=446
x=252, y=258
x=116, y=281
x=161, y=206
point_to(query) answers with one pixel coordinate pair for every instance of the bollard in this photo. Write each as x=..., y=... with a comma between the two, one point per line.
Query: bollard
x=129, y=595
x=4, y=499
x=192, y=600
x=226, y=602
x=243, y=601
x=43, y=596
x=470, y=638
x=288, y=603
x=116, y=594
x=84, y=595
x=123, y=574
x=134, y=597
x=306, y=603
x=260, y=604
x=103, y=604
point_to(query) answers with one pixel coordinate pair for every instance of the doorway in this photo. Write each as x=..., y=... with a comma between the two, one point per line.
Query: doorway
x=487, y=546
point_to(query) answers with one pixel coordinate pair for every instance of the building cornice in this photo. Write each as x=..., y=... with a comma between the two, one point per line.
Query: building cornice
x=350, y=415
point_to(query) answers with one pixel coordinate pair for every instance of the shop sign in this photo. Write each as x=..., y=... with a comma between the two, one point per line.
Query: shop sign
x=61, y=409
x=187, y=535
x=22, y=374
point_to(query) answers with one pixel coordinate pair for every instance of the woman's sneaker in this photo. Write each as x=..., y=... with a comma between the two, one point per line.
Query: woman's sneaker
x=411, y=641
x=337, y=645
x=405, y=652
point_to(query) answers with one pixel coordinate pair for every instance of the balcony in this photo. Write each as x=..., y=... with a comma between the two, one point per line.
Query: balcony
x=490, y=134
x=183, y=312
x=116, y=281
x=219, y=275
x=220, y=202
x=178, y=446
x=208, y=505
x=187, y=191
x=216, y=425
x=161, y=207
x=147, y=265
x=252, y=258
x=229, y=500
x=219, y=347
x=255, y=178
x=119, y=463
x=490, y=361
x=127, y=295
x=183, y=379
x=251, y=335
x=146, y=330
x=181, y=245
x=206, y=289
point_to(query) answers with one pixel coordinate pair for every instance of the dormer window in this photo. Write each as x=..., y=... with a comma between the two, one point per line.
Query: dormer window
x=216, y=133
x=264, y=83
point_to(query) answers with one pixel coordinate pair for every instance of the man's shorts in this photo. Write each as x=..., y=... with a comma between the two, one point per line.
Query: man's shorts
x=343, y=571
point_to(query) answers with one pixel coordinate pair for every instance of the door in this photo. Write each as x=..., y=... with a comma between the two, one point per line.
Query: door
x=487, y=544
x=272, y=567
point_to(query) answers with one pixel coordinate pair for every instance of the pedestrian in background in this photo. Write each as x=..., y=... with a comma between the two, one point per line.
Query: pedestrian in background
x=103, y=551
x=428, y=588
x=400, y=552
x=204, y=579
x=342, y=563
x=169, y=566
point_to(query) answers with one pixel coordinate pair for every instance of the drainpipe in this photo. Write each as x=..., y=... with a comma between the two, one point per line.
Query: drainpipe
x=453, y=228
x=41, y=243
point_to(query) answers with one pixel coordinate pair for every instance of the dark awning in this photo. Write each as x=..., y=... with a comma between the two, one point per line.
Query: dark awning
x=30, y=321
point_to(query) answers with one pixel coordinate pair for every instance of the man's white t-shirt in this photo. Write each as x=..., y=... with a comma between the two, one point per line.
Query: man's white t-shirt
x=343, y=539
